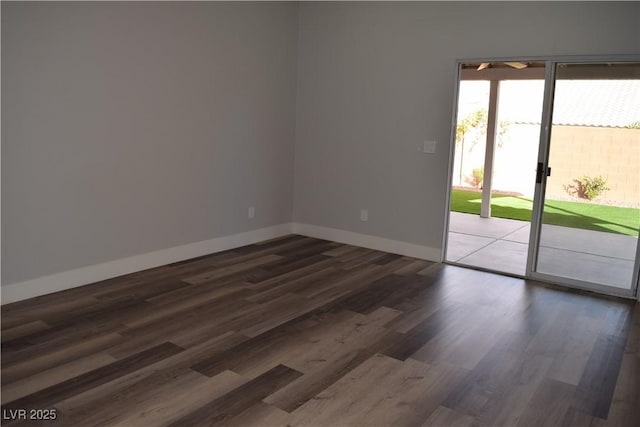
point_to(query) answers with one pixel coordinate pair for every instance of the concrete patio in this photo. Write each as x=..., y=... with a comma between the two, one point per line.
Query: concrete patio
x=502, y=244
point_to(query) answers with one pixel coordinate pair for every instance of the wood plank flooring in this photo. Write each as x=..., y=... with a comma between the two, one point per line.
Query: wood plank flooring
x=305, y=332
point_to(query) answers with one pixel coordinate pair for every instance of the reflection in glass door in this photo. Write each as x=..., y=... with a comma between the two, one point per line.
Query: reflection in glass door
x=591, y=197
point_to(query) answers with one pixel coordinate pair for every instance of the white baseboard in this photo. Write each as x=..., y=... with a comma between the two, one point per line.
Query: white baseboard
x=368, y=241
x=95, y=273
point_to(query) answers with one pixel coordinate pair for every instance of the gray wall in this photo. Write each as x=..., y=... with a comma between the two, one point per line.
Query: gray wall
x=376, y=79
x=133, y=127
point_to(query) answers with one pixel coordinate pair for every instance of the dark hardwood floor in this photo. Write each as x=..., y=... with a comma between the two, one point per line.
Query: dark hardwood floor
x=300, y=331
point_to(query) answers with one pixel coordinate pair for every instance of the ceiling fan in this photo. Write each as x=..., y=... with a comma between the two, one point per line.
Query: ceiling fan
x=516, y=65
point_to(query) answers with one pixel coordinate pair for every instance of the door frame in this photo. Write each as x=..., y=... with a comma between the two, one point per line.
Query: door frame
x=543, y=158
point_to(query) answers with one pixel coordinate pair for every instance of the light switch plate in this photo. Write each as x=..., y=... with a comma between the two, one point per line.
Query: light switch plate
x=429, y=147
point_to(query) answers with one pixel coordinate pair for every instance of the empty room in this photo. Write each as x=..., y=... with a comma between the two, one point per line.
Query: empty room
x=320, y=213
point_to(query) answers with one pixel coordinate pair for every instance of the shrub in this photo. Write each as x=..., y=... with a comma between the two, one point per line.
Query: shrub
x=588, y=187
x=476, y=178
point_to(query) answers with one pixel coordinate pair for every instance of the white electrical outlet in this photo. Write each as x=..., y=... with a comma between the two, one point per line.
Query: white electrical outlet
x=364, y=215
x=252, y=212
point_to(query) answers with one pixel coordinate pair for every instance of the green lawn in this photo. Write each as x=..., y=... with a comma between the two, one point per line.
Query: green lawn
x=570, y=214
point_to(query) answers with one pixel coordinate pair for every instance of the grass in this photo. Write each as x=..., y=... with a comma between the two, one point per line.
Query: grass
x=612, y=219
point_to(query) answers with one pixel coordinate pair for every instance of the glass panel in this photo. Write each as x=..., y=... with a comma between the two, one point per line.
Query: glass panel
x=591, y=212
x=493, y=182
x=471, y=131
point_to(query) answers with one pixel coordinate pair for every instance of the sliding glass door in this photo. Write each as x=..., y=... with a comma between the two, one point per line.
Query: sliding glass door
x=582, y=116
x=588, y=206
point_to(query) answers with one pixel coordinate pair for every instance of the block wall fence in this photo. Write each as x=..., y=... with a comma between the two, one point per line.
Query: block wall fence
x=576, y=151
x=613, y=153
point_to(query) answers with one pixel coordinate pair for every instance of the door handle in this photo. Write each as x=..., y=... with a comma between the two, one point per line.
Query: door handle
x=540, y=170
x=539, y=173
